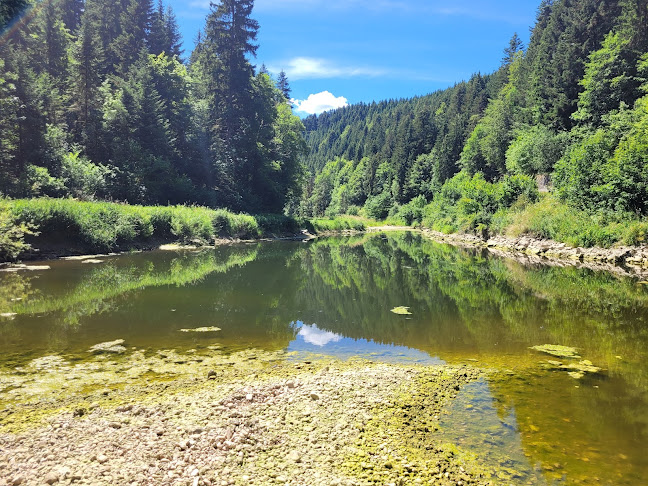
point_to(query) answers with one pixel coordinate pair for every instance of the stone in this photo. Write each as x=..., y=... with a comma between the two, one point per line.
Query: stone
x=294, y=457
x=115, y=347
x=102, y=459
x=314, y=396
x=402, y=311
x=51, y=478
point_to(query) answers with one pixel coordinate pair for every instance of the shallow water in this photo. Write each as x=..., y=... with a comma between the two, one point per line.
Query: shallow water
x=334, y=297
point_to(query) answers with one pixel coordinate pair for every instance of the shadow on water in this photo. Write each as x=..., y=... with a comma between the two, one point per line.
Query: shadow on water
x=334, y=296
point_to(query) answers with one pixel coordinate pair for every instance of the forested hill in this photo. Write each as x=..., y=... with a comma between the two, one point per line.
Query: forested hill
x=395, y=128
x=571, y=105
x=98, y=100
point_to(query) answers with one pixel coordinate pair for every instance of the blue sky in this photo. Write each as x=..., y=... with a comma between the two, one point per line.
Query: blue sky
x=347, y=51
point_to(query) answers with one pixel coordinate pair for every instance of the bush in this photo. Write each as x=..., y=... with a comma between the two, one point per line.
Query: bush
x=82, y=178
x=338, y=224
x=412, y=212
x=377, y=207
x=468, y=204
x=535, y=151
x=234, y=225
x=552, y=219
x=12, y=234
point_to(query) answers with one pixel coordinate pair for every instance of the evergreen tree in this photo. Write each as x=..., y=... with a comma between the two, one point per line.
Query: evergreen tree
x=71, y=12
x=282, y=84
x=229, y=38
x=87, y=59
x=10, y=10
x=164, y=35
x=515, y=46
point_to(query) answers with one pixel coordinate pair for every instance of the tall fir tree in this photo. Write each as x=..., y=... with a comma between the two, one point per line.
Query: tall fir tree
x=229, y=38
x=283, y=85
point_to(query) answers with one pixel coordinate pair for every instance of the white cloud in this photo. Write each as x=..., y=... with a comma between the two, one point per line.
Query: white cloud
x=314, y=68
x=314, y=335
x=319, y=103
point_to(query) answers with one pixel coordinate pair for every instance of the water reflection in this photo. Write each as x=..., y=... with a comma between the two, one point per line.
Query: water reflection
x=335, y=297
x=311, y=339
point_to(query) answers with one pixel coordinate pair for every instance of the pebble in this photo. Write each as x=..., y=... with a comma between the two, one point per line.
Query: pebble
x=51, y=478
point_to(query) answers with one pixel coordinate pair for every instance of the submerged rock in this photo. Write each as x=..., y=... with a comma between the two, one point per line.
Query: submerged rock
x=575, y=370
x=202, y=329
x=558, y=351
x=115, y=347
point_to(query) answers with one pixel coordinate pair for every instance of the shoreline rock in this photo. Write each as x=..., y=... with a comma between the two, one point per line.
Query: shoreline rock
x=631, y=261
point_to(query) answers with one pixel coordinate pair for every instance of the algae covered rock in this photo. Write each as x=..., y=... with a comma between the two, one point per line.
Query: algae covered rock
x=402, y=311
x=575, y=370
x=559, y=351
x=202, y=329
x=115, y=347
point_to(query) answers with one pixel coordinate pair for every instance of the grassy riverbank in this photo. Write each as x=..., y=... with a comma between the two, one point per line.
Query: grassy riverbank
x=66, y=226
x=485, y=210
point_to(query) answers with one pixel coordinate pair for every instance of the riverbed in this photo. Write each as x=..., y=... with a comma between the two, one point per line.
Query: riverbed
x=282, y=321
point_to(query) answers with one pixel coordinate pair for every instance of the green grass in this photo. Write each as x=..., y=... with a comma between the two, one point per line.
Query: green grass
x=552, y=219
x=339, y=223
x=75, y=226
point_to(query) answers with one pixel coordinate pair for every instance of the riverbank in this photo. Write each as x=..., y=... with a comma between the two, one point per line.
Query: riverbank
x=44, y=228
x=623, y=259
x=245, y=418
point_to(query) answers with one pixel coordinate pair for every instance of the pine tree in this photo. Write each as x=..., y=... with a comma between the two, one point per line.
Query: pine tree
x=164, y=35
x=282, y=84
x=10, y=10
x=229, y=37
x=71, y=11
x=87, y=59
x=515, y=46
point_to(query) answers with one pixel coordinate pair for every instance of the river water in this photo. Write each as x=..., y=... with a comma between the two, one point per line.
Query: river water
x=334, y=297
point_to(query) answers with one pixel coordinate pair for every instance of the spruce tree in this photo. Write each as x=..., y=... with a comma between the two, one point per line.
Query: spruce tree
x=10, y=10
x=515, y=46
x=164, y=35
x=229, y=38
x=282, y=84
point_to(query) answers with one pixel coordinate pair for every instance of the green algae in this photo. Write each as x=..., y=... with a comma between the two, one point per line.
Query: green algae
x=202, y=329
x=558, y=351
x=399, y=443
x=402, y=311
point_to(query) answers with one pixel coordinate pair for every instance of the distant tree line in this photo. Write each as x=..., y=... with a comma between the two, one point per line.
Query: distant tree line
x=572, y=105
x=97, y=102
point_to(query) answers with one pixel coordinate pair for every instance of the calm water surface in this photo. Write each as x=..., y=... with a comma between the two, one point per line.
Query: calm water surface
x=333, y=297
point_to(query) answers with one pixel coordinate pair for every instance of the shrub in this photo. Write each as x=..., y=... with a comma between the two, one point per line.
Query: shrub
x=468, y=204
x=234, y=225
x=377, y=207
x=12, y=234
x=82, y=178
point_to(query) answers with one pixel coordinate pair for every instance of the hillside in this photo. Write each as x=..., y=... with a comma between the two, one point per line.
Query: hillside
x=570, y=106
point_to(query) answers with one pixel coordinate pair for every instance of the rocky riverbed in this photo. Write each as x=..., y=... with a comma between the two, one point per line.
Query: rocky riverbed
x=216, y=419
x=621, y=259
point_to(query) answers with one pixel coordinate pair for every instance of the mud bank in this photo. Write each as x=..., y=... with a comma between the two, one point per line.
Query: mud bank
x=250, y=418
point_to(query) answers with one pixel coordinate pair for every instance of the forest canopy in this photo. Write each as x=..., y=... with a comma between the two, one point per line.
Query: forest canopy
x=99, y=101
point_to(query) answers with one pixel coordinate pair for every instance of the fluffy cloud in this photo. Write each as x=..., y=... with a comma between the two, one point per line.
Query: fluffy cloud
x=314, y=335
x=319, y=103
